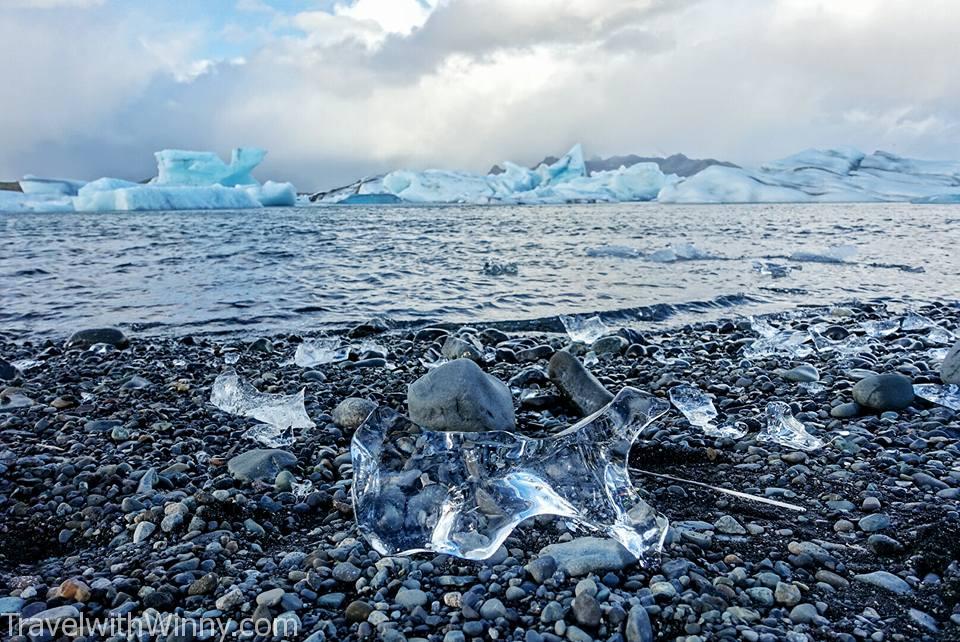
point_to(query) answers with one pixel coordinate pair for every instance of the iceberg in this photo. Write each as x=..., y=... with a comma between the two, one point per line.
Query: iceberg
x=564, y=181
x=185, y=180
x=463, y=493
x=842, y=174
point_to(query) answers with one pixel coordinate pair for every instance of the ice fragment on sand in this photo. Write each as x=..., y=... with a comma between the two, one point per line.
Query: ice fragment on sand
x=316, y=352
x=882, y=328
x=773, y=341
x=912, y=321
x=783, y=428
x=280, y=414
x=584, y=329
x=463, y=493
x=947, y=396
x=697, y=407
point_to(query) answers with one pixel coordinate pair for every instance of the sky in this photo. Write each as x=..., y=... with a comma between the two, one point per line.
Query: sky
x=338, y=89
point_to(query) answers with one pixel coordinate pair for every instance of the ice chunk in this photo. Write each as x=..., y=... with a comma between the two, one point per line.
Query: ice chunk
x=584, y=329
x=881, y=328
x=773, y=341
x=773, y=270
x=616, y=251
x=317, y=352
x=281, y=414
x=272, y=194
x=188, y=168
x=912, y=321
x=151, y=197
x=834, y=254
x=699, y=410
x=34, y=185
x=947, y=395
x=463, y=493
x=784, y=429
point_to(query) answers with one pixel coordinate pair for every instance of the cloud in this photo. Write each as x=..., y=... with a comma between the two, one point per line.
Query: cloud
x=371, y=86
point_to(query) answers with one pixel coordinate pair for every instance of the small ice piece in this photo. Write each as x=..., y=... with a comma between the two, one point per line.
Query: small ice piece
x=947, y=396
x=912, y=321
x=937, y=355
x=783, y=428
x=879, y=329
x=834, y=254
x=773, y=270
x=590, y=359
x=28, y=364
x=812, y=387
x=316, y=352
x=281, y=414
x=584, y=329
x=772, y=341
x=463, y=493
x=615, y=251
x=940, y=335
x=495, y=268
x=230, y=358
x=301, y=489
x=699, y=410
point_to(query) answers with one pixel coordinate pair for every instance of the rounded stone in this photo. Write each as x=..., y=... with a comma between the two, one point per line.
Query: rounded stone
x=352, y=412
x=884, y=392
x=950, y=369
x=459, y=396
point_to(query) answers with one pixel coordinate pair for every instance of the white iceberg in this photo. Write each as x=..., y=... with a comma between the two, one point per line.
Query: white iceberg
x=843, y=174
x=185, y=180
x=564, y=181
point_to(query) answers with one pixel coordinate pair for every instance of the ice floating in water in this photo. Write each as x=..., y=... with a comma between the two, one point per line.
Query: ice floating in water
x=615, y=251
x=463, y=493
x=679, y=252
x=882, y=328
x=699, y=410
x=773, y=270
x=947, y=396
x=281, y=414
x=784, y=429
x=317, y=352
x=494, y=268
x=584, y=329
x=835, y=254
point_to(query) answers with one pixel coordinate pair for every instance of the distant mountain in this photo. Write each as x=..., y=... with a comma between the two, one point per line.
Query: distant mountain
x=678, y=164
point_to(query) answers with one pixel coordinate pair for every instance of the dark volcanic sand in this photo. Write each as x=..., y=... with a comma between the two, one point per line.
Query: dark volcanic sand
x=64, y=479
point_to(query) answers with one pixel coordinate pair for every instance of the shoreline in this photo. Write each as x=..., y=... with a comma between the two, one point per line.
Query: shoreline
x=880, y=497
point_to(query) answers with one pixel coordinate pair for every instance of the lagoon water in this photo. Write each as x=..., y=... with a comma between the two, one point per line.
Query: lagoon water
x=305, y=269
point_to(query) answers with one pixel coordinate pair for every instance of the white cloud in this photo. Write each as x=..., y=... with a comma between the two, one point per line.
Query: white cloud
x=466, y=83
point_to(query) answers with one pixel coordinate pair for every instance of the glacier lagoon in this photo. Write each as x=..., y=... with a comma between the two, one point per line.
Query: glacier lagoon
x=312, y=268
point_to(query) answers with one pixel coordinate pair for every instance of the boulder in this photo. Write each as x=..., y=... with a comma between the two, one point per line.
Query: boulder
x=950, y=370
x=87, y=338
x=577, y=383
x=884, y=392
x=459, y=396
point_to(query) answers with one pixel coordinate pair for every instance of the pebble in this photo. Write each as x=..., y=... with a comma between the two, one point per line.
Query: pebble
x=885, y=580
x=352, y=412
x=262, y=464
x=802, y=373
x=950, y=368
x=586, y=555
x=577, y=383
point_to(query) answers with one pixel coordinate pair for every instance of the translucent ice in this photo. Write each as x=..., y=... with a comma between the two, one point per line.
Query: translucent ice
x=280, y=414
x=947, y=396
x=784, y=429
x=773, y=341
x=615, y=251
x=835, y=254
x=882, y=328
x=912, y=321
x=316, y=352
x=179, y=167
x=699, y=410
x=463, y=493
x=773, y=270
x=678, y=252
x=584, y=329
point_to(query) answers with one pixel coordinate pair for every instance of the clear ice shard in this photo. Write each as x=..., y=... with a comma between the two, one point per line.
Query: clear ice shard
x=882, y=328
x=773, y=270
x=584, y=329
x=773, y=341
x=783, y=428
x=699, y=410
x=947, y=396
x=316, y=352
x=463, y=493
x=280, y=414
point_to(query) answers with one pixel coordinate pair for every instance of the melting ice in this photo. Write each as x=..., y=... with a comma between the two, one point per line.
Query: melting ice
x=463, y=493
x=784, y=429
x=280, y=414
x=584, y=329
x=699, y=410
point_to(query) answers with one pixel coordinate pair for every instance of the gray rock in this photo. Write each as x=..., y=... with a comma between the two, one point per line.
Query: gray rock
x=589, y=555
x=459, y=396
x=7, y=371
x=11, y=605
x=87, y=338
x=456, y=348
x=352, y=412
x=638, y=625
x=729, y=526
x=884, y=545
x=613, y=344
x=411, y=598
x=143, y=531
x=136, y=382
x=874, y=523
x=260, y=464
x=846, y=410
x=804, y=614
x=884, y=392
x=346, y=572
x=492, y=609
x=885, y=580
x=950, y=369
x=271, y=597
x=802, y=373
x=229, y=600
x=577, y=383
x=542, y=568
x=925, y=620
x=586, y=610
x=51, y=616
x=787, y=593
